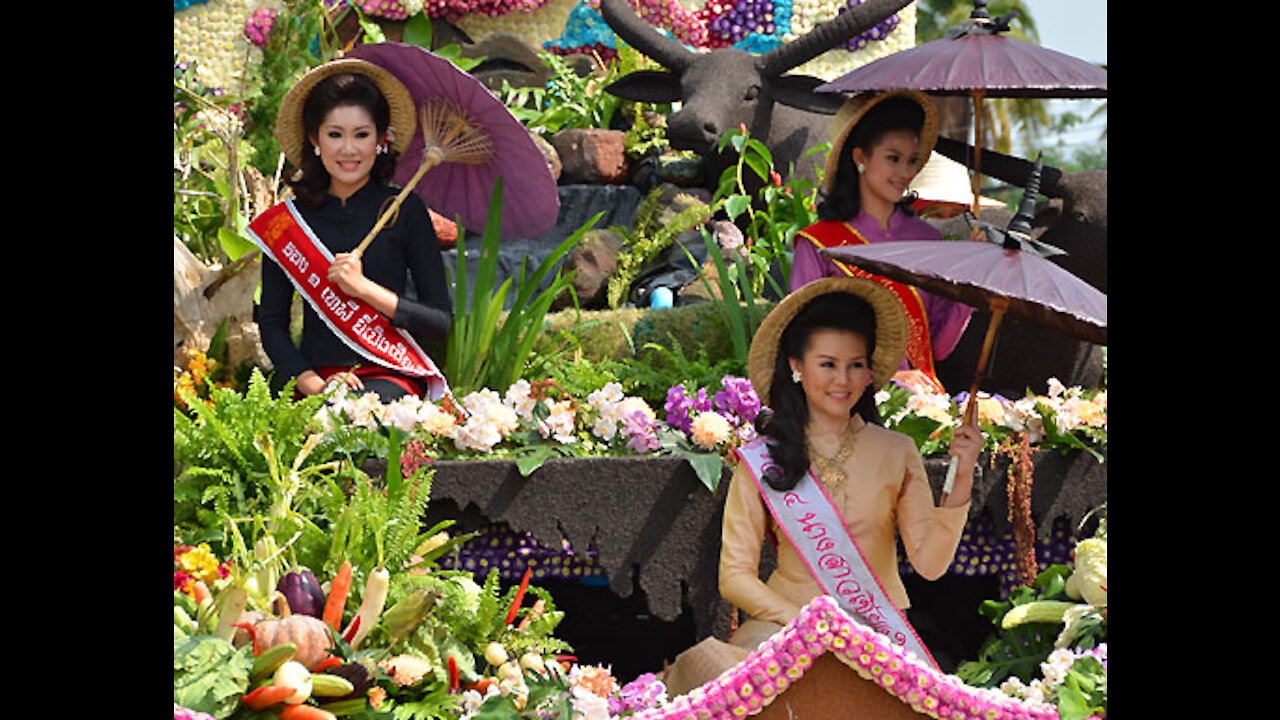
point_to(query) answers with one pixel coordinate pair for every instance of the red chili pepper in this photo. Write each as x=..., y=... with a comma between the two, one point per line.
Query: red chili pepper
x=453, y=674
x=325, y=664
x=266, y=696
x=515, y=604
x=253, y=633
x=351, y=629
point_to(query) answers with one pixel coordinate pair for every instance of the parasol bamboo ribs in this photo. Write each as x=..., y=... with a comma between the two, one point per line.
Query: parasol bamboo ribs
x=999, y=305
x=448, y=136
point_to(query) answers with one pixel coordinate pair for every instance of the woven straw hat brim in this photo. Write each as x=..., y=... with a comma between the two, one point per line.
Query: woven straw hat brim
x=289, y=130
x=891, y=329
x=855, y=108
x=945, y=180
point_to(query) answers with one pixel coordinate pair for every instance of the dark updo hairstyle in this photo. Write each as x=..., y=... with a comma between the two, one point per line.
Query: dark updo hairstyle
x=844, y=200
x=339, y=90
x=784, y=426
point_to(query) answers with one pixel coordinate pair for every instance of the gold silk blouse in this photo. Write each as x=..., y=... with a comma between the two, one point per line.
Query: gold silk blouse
x=886, y=491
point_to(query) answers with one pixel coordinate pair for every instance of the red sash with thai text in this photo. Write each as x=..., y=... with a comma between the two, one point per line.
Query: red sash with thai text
x=286, y=238
x=832, y=233
x=817, y=530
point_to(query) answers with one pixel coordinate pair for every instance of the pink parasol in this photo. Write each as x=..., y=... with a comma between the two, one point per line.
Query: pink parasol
x=1006, y=272
x=978, y=61
x=468, y=139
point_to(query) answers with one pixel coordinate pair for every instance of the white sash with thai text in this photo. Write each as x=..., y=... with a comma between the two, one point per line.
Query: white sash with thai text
x=816, y=529
x=287, y=239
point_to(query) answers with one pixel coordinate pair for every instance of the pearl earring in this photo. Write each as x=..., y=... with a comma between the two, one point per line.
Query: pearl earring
x=861, y=168
x=795, y=376
x=315, y=150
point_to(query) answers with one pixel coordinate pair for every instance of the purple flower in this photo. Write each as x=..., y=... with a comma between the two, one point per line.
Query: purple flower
x=645, y=692
x=639, y=431
x=738, y=400
x=678, y=409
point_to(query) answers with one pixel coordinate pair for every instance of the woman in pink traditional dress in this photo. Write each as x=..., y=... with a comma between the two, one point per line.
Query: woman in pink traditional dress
x=816, y=362
x=879, y=144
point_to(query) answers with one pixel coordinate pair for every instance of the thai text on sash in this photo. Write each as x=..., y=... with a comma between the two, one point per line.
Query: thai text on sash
x=814, y=526
x=285, y=238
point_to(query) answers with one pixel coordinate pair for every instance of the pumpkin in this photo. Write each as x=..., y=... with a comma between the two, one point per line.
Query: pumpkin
x=310, y=634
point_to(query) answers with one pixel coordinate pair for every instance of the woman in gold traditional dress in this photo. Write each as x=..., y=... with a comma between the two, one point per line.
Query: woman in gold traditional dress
x=816, y=363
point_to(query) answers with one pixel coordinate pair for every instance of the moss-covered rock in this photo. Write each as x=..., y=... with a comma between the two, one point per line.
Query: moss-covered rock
x=622, y=334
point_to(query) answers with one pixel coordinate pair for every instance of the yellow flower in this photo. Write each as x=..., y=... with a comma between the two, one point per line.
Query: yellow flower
x=199, y=563
x=199, y=364
x=710, y=429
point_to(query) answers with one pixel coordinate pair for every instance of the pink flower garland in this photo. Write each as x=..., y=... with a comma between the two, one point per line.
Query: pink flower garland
x=685, y=25
x=746, y=688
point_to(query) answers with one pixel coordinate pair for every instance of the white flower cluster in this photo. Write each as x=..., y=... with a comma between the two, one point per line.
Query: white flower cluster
x=1070, y=408
x=490, y=418
x=612, y=408
x=834, y=63
x=512, y=687
x=561, y=421
x=211, y=34
x=536, y=27
x=488, y=421
x=1053, y=672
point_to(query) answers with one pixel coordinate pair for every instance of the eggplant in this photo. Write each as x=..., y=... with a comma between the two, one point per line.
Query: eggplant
x=302, y=590
x=357, y=673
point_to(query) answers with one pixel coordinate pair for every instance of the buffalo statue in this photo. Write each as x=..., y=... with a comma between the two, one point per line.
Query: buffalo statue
x=726, y=87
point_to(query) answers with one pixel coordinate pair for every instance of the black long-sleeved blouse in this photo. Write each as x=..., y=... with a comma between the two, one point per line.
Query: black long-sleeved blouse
x=404, y=251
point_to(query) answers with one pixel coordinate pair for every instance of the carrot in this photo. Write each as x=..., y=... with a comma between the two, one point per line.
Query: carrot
x=303, y=711
x=337, y=599
x=200, y=592
x=453, y=674
x=534, y=612
x=266, y=696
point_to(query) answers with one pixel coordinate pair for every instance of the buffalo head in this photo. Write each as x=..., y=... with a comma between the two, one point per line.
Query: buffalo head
x=726, y=87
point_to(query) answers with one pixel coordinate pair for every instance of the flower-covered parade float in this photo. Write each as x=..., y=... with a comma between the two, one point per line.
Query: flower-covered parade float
x=340, y=557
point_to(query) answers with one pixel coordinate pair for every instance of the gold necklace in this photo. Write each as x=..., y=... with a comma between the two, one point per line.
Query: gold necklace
x=830, y=470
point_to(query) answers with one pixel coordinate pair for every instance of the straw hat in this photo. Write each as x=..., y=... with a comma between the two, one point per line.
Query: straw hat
x=946, y=181
x=891, y=329
x=855, y=108
x=290, y=132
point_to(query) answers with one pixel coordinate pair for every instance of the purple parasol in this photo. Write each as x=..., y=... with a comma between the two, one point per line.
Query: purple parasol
x=978, y=60
x=1006, y=273
x=978, y=57
x=468, y=139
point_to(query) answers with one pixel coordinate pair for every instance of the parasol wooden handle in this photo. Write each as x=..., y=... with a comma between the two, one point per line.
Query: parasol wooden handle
x=978, y=95
x=971, y=403
x=431, y=158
